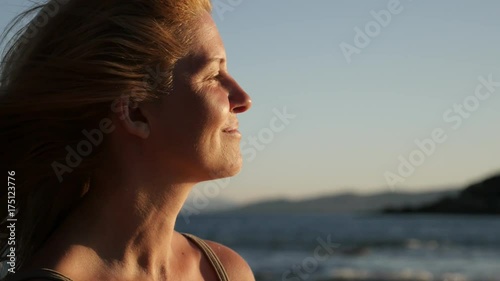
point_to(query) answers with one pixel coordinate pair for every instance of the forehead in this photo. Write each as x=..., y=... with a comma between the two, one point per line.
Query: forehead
x=207, y=42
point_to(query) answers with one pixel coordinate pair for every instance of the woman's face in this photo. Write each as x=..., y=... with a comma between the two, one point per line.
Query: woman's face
x=194, y=128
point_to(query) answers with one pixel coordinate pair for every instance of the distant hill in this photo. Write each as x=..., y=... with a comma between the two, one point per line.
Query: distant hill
x=344, y=203
x=479, y=198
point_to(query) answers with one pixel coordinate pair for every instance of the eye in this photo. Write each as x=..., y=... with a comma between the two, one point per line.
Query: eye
x=217, y=77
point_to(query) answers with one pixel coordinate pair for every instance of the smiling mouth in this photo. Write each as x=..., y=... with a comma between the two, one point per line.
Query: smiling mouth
x=233, y=132
x=231, y=128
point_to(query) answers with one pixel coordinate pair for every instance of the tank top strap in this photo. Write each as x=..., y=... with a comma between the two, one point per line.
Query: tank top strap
x=52, y=275
x=214, y=260
x=39, y=273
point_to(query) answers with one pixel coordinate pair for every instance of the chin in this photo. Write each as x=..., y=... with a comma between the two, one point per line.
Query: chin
x=230, y=168
x=234, y=171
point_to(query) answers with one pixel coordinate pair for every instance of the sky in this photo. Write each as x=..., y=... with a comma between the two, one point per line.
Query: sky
x=359, y=96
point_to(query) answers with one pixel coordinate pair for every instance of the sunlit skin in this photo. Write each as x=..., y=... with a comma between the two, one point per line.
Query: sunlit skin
x=124, y=228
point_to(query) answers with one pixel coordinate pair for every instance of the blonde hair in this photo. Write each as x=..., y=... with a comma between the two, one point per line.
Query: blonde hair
x=59, y=75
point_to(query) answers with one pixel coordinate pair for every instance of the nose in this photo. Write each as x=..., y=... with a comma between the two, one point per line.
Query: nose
x=239, y=100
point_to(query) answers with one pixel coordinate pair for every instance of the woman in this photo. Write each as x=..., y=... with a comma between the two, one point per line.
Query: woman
x=111, y=111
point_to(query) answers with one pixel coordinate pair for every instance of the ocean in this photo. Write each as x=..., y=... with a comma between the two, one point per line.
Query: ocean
x=358, y=247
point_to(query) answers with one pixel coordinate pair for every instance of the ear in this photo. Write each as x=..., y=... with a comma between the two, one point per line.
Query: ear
x=132, y=117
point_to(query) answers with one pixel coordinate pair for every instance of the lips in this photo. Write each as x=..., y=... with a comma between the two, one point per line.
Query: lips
x=231, y=129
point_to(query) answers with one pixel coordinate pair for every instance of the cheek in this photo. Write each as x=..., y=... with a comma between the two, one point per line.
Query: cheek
x=198, y=115
x=218, y=102
x=212, y=104
x=213, y=114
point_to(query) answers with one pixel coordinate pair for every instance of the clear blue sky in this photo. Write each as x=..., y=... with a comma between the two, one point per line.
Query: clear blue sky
x=353, y=120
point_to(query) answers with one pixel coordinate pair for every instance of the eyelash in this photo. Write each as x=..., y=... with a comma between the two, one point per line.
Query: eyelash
x=215, y=80
x=217, y=77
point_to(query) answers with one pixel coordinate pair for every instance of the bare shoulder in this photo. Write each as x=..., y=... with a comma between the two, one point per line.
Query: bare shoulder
x=237, y=268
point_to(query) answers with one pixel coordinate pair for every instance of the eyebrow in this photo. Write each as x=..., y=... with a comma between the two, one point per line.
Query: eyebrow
x=202, y=64
x=212, y=60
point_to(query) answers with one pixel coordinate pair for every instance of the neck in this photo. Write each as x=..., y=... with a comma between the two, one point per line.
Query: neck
x=126, y=223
